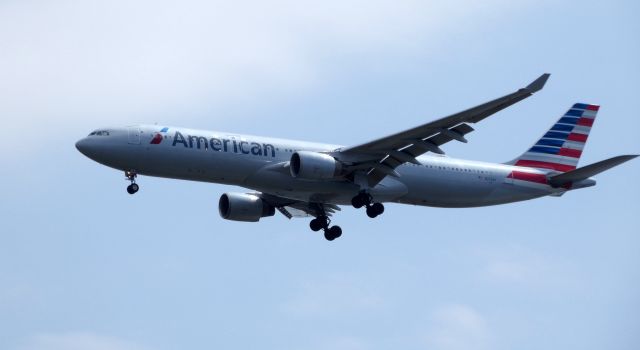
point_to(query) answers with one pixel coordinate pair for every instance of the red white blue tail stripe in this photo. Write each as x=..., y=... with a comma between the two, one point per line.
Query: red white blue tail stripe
x=561, y=147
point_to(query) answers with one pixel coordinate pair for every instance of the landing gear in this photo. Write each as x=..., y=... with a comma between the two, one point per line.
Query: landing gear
x=364, y=199
x=133, y=188
x=319, y=223
x=375, y=209
x=332, y=233
x=131, y=176
x=361, y=199
x=322, y=223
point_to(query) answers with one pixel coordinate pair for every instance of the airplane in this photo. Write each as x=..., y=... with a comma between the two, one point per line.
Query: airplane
x=304, y=179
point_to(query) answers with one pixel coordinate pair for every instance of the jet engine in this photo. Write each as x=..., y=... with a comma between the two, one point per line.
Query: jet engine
x=314, y=166
x=244, y=207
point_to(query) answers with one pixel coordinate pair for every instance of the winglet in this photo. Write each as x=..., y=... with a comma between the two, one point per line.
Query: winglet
x=538, y=84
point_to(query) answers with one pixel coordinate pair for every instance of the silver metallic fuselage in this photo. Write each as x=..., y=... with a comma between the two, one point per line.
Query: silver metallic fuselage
x=258, y=163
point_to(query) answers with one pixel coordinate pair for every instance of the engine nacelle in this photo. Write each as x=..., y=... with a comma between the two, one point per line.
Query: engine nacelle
x=314, y=166
x=244, y=207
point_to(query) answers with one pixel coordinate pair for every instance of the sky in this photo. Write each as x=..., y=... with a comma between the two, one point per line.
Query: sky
x=84, y=265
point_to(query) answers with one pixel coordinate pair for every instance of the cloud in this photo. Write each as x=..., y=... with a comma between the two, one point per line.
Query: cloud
x=457, y=327
x=330, y=297
x=70, y=64
x=510, y=271
x=78, y=341
x=522, y=267
x=343, y=343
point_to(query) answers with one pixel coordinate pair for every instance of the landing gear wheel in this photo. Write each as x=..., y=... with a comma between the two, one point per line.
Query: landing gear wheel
x=356, y=202
x=133, y=188
x=332, y=233
x=360, y=200
x=375, y=209
x=336, y=231
x=378, y=208
x=316, y=225
x=131, y=176
x=319, y=223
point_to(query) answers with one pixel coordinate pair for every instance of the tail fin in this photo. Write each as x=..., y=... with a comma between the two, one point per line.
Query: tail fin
x=561, y=147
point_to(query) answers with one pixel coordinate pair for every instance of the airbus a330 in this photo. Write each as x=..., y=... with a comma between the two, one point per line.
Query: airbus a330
x=305, y=179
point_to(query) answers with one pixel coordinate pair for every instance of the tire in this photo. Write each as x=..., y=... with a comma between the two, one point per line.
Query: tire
x=130, y=189
x=336, y=231
x=357, y=202
x=135, y=187
x=371, y=212
x=378, y=208
x=328, y=236
x=315, y=225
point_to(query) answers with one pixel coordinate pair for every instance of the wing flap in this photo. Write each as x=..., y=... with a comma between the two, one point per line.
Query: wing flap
x=419, y=147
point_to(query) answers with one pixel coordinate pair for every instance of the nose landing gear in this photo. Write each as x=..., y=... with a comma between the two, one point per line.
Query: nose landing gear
x=133, y=188
x=131, y=176
x=322, y=223
x=363, y=199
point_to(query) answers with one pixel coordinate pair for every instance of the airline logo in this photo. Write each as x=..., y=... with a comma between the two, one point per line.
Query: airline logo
x=561, y=147
x=219, y=144
x=159, y=136
x=216, y=144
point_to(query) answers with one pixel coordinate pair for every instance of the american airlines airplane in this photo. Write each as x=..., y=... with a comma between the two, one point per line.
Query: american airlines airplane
x=308, y=179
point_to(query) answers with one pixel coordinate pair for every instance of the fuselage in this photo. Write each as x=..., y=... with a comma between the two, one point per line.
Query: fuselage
x=260, y=164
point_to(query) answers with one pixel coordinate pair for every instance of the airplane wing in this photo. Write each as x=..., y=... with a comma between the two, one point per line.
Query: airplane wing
x=293, y=208
x=380, y=157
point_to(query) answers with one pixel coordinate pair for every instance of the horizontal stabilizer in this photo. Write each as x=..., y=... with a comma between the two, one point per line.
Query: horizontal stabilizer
x=588, y=171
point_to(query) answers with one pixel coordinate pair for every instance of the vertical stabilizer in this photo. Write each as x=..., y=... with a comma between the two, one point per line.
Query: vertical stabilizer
x=561, y=147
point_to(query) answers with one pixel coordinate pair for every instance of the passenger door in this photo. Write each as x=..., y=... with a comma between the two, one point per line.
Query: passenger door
x=134, y=135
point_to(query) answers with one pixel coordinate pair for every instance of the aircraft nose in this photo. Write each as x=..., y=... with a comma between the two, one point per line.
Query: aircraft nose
x=87, y=147
x=81, y=145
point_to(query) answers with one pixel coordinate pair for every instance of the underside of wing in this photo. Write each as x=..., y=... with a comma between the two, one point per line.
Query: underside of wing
x=293, y=208
x=379, y=158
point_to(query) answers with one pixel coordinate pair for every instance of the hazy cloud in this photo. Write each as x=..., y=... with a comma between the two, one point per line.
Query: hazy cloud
x=519, y=266
x=78, y=341
x=344, y=343
x=332, y=296
x=457, y=327
x=81, y=63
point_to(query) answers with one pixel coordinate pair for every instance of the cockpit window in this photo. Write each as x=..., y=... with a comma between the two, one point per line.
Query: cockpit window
x=100, y=133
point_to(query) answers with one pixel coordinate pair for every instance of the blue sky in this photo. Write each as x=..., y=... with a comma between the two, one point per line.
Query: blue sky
x=83, y=265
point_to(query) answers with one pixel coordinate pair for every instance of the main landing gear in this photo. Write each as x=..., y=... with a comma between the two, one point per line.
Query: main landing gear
x=365, y=199
x=131, y=176
x=322, y=223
